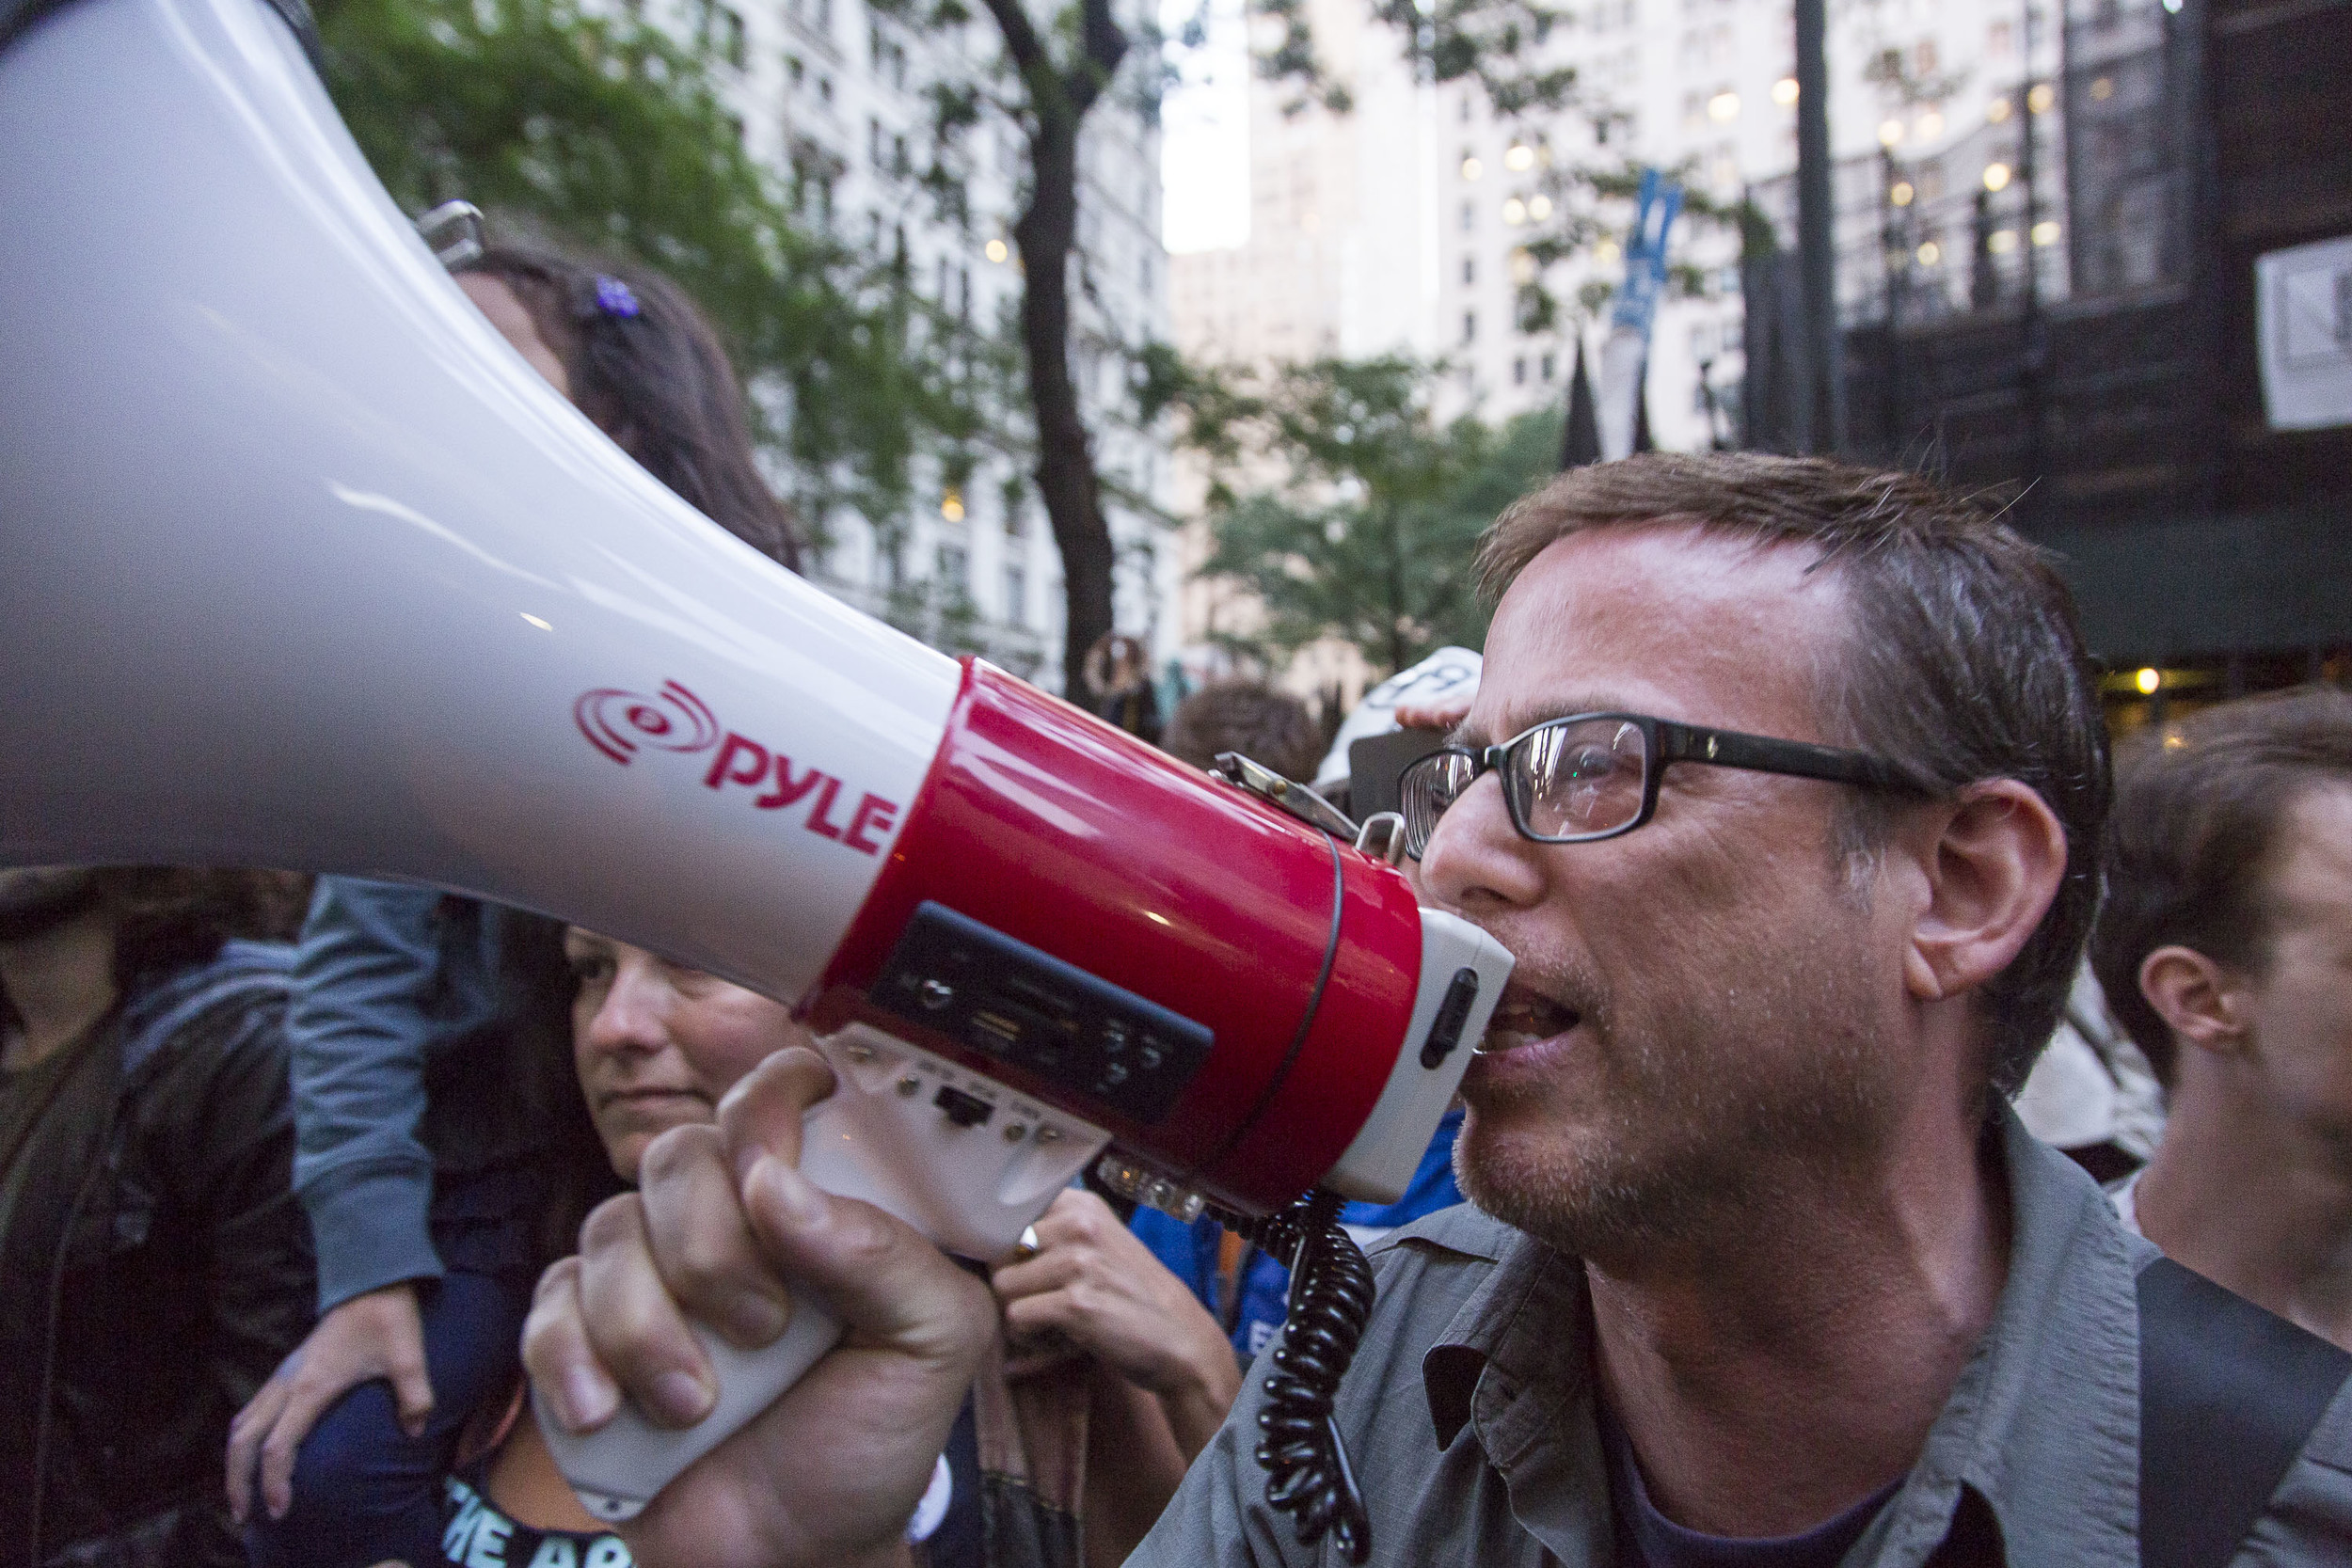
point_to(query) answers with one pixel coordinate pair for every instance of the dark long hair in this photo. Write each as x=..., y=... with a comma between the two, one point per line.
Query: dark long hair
x=648, y=369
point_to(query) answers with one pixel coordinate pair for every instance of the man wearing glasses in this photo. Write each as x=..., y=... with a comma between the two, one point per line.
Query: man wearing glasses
x=1783, y=785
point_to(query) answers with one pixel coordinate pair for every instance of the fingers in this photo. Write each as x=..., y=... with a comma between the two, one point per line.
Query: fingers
x=887, y=1284
x=762, y=1114
x=701, y=1245
x=307, y=1395
x=412, y=1388
x=556, y=1353
x=1057, y=1310
x=635, y=1328
x=1433, y=715
x=1053, y=1268
x=246, y=1433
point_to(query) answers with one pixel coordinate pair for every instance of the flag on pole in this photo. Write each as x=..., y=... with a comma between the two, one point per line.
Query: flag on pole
x=1625, y=355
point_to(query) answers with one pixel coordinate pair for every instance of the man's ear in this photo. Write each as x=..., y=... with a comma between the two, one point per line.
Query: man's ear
x=1992, y=866
x=2194, y=997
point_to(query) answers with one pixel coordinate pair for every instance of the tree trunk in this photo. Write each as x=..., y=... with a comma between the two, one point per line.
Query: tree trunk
x=1046, y=234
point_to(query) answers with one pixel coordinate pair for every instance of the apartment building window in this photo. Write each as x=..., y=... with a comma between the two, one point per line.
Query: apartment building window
x=1469, y=325
x=1551, y=365
x=1469, y=270
x=824, y=16
x=1469, y=217
x=825, y=90
x=792, y=68
x=963, y=292
x=899, y=164
x=1016, y=593
x=719, y=29
x=874, y=145
x=955, y=567
x=1518, y=371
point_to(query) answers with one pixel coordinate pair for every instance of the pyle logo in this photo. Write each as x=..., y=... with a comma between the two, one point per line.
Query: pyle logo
x=621, y=723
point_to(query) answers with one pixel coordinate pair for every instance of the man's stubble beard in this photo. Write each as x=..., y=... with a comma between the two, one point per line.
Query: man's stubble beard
x=1717, y=1108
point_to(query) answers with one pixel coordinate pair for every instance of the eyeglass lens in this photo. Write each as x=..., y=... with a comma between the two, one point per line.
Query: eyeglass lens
x=1565, y=781
x=1574, y=780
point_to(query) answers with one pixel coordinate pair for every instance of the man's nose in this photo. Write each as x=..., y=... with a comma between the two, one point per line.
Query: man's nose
x=1476, y=858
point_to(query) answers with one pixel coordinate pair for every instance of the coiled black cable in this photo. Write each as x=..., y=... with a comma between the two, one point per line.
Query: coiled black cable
x=1308, y=1474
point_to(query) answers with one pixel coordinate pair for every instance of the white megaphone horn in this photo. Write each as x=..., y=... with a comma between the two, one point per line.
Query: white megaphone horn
x=307, y=568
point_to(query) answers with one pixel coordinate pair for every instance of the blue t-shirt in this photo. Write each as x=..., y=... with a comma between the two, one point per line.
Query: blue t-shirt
x=1189, y=1251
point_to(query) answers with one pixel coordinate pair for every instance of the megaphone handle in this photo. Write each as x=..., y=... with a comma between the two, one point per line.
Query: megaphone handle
x=617, y=1469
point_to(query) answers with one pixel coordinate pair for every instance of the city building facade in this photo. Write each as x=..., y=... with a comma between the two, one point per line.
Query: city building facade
x=1421, y=220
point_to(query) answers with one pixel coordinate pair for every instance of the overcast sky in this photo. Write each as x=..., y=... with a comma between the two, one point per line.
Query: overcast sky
x=1204, y=157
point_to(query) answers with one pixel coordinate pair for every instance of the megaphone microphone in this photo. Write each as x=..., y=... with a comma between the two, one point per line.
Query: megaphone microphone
x=308, y=568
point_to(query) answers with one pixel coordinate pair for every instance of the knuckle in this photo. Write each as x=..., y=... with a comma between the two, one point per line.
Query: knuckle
x=700, y=1268
x=678, y=1152
x=561, y=1276
x=615, y=1222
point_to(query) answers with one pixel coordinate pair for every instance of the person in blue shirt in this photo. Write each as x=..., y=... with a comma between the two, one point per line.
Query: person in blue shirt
x=1248, y=1290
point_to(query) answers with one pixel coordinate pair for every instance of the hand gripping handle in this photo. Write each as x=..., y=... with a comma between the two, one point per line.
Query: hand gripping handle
x=900, y=1132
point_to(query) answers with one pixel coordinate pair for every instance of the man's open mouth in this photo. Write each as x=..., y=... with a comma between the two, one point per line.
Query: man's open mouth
x=1524, y=1017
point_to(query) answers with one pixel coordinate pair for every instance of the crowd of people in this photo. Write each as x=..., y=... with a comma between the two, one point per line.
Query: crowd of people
x=1802, y=823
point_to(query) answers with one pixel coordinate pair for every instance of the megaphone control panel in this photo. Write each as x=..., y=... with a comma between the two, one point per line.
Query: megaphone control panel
x=1005, y=999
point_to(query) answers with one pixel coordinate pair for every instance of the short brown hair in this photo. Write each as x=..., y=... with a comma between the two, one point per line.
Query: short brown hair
x=2199, y=809
x=1269, y=727
x=1962, y=662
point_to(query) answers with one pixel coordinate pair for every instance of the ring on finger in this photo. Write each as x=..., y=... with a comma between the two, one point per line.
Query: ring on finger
x=1027, y=1247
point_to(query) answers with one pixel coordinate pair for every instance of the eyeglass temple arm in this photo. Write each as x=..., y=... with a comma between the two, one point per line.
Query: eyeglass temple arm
x=1765, y=754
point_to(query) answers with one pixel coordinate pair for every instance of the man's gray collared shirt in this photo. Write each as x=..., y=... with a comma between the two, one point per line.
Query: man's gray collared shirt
x=1470, y=1415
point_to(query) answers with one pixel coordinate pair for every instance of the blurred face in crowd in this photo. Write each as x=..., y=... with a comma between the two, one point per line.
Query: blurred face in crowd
x=2297, y=1012
x=1699, y=1001
x=494, y=299
x=657, y=1044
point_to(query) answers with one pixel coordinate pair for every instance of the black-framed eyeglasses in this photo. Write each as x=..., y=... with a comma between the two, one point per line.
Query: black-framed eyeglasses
x=1595, y=775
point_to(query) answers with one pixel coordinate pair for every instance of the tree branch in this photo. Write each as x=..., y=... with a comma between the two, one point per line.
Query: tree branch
x=1104, y=45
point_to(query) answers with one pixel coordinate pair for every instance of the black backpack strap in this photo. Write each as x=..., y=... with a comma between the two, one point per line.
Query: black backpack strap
x=2228, y=1394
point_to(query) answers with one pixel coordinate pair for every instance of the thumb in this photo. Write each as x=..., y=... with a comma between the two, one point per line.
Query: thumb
x=761, y=1115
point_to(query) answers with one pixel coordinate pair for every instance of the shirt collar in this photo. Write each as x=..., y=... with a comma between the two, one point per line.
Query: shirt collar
x=2042, y=1426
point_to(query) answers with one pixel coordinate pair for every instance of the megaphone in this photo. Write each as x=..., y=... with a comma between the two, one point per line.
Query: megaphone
x=307, y=568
